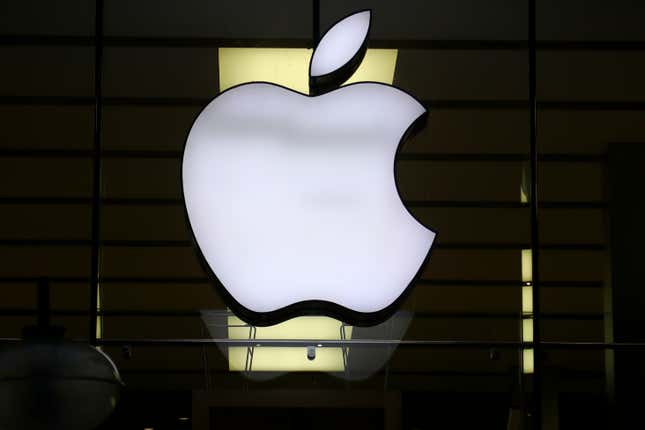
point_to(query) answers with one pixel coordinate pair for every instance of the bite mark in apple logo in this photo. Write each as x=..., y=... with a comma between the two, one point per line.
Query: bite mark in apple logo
x=292, y=198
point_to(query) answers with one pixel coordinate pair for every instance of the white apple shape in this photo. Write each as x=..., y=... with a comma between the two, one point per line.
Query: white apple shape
x=292, y=198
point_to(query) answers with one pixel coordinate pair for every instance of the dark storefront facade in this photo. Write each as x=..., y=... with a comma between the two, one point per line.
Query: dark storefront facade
x=528, y=312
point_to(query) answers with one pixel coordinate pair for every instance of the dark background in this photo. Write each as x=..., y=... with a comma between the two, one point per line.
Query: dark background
x=468, y=60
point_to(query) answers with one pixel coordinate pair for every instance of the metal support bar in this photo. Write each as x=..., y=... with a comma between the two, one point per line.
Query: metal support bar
x=96, y=180
x=200, y=102
x=481, y=204
x=425, y=44
x=166, y=313
x=315, y=28
x=536, y=403
x=205, y=364
x=196, y=280
x=467, y=344
x=405, y=156
x=133, y=243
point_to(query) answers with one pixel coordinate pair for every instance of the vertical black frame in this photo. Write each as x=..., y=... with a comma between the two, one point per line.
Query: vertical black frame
x=536, y=398
x=95, y=260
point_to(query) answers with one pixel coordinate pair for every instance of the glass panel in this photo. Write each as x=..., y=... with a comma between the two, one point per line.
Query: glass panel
x=589, y=94
x=459, y=352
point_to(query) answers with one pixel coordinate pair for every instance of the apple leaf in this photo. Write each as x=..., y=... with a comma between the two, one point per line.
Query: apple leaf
x=339, y=53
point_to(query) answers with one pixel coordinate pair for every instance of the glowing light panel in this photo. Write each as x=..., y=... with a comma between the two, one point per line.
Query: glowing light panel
x=292, y=359
x=527, y=266
x=528, y=363
x=288, y=67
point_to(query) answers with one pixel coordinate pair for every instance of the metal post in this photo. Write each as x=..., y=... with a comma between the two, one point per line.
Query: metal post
x=207, y=370
x=316, y=22
x=96, y=182
x=536, y=410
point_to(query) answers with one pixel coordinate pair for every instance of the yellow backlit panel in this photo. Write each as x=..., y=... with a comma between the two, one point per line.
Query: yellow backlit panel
x=270, y=359
x=279, y=359
x=290, y=67
x=313, y=328
x=527, y=361
x=527, y=265
x=527, y=330
x=99, y=319
x=527, y=300
x=377, y=66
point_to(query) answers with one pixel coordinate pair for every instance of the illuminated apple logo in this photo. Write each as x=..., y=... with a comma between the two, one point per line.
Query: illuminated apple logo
x=292, y=198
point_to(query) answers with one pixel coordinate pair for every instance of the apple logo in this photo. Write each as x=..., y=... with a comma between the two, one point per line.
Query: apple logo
x=292, y=198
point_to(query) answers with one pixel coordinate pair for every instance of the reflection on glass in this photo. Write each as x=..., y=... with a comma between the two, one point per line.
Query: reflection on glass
x=283, y=359
x=265, y=362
